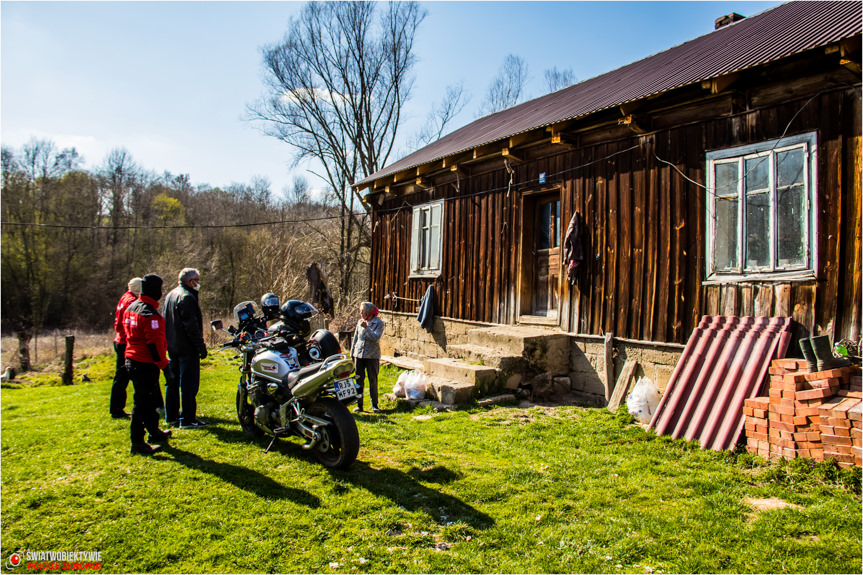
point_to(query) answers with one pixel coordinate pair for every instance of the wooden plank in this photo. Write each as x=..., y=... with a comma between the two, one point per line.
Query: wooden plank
x=678, y=250
x=622, y=385
x=713, y=300
x=602, y=219
x=829, y=212
x=660, y=329
x=639, y=183
x=625, y=224
x=804, y=298
x=613, y=235
x=763, y=305
x=747, y=300
x=729, y=300
x=695, y=240
x=651, y=252
x=609, y=364
x=849, y=321
x=782, y=300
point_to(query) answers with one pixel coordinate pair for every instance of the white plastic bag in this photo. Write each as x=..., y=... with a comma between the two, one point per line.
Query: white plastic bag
x=399, y=387
x=415, y=385
x=643, y=400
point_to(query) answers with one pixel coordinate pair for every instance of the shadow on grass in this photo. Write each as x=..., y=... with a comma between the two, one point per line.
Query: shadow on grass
x=404, y=489
x=243, y=477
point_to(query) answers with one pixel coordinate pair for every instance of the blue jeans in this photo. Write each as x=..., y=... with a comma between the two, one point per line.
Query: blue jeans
x=186, y=370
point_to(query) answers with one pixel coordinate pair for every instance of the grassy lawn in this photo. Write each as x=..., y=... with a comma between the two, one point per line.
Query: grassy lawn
x=496, y=490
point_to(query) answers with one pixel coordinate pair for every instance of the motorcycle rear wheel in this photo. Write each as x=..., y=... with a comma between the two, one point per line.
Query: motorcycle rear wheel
x=342, y=438
x=246, y=412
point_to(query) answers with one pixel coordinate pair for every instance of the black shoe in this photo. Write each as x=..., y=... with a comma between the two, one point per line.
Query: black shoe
x=121, y=415
x=174, y=423
x=144, y=449
x=161, y=437
x=194, y=424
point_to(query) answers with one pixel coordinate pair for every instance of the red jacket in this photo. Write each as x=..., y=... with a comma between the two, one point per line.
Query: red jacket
x=125, y=301
x=145, y=332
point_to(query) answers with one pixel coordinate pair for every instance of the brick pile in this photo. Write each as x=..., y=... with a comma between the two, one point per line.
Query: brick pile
x=815, y=415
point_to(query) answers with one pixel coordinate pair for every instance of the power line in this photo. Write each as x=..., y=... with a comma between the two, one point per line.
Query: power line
x=182, y=227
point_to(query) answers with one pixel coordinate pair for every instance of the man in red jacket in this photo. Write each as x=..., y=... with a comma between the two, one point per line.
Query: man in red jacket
x=146, y=355
x=121, y=376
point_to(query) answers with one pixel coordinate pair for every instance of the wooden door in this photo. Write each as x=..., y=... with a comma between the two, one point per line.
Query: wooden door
x=546, y=257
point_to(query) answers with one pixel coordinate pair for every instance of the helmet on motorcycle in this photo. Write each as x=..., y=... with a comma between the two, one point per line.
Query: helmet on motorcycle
x=295, y=315
x=270, y=305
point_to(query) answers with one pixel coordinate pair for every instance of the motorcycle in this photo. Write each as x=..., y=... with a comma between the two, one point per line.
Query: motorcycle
x=293, y=384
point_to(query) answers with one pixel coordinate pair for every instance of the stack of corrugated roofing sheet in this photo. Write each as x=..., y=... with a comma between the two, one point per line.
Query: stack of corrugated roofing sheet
x=723, y=364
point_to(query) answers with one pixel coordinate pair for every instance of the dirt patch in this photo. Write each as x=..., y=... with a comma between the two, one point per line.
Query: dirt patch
x=769, y=504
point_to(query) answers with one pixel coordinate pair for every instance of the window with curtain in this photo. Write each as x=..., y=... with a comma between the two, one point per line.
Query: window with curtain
x=426, y=239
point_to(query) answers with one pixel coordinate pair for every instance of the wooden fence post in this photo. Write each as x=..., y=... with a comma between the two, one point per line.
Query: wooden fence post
x=68, y=371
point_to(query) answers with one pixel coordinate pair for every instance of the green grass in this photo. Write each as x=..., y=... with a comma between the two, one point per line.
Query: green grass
x=498, y=490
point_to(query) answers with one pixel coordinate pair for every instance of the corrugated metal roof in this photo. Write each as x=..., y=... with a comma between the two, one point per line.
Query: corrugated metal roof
x=724, y=363
x=776, y=33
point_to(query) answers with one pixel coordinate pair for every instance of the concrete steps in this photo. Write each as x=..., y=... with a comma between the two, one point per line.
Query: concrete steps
x=487, y=356
x=494, y=359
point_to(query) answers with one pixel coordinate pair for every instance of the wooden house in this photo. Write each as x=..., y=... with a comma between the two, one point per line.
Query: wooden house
x=720, y=177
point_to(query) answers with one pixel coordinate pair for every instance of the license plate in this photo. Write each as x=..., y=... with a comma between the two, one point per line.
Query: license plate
x=345, y=388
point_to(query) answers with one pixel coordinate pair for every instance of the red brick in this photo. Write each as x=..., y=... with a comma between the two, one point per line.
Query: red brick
x=756, y=435
x=817, y=454
x=823, y=383
x=842, y=372
x=756, y=402
x=827, y=430
x=807, y=411
x=816, y=393
x=835, y=439
x=839, y=422
x=842, y=431
x=849, y=393
x=759, y=413
x=782, y=409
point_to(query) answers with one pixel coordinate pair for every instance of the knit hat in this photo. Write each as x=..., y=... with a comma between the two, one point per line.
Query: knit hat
x=151, y=286
x=135, y=285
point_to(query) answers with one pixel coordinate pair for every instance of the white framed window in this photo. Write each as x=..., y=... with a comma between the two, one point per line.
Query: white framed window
x=426, y=239
x=761, y=210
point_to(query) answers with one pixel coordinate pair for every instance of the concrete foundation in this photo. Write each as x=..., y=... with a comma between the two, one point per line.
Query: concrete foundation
x=565, y=357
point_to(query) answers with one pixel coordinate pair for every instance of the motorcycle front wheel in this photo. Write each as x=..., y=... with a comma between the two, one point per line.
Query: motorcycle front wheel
x=246, y=412
x=341, y=438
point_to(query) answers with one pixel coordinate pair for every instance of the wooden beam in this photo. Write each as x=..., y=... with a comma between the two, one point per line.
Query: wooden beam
x=638, y=124
x=851, y=65
x=507, y=154
x=622, y=385
x=628, y=108
x=720, y=83
x=609, y=365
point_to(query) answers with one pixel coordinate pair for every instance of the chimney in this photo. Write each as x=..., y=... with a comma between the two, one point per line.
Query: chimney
x=726, y=20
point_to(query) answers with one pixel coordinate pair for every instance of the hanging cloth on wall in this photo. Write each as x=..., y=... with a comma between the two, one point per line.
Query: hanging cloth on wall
x=573, y=247
x=426, y=313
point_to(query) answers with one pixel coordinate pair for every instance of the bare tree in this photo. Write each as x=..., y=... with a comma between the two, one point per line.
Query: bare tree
x=299, y=194
x=558, y=79
x=507, y=88
x=442, y=114
x=335, y=88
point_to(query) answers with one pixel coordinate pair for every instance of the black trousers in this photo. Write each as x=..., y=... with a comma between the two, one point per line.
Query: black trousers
x=148, y=397
x=367, y=366
x=121, y=381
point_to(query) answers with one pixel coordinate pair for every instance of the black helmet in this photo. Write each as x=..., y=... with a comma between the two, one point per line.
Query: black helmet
x=270, y=305
x=295, y=315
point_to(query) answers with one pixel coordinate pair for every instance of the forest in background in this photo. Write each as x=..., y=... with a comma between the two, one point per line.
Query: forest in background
x=72, y=238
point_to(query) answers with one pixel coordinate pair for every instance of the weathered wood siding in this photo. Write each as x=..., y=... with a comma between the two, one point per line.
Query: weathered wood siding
x=645, y=222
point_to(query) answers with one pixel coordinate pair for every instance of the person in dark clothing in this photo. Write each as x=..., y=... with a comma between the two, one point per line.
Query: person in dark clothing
x=366, y=351
x=184, y=328
x=146, y=354
x=121, y=376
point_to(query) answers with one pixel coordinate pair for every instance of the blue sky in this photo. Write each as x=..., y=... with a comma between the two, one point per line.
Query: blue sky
x=169, y=81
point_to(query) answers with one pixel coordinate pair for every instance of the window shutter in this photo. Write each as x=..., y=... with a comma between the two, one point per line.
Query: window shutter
x=415, y=239
x=435, y=237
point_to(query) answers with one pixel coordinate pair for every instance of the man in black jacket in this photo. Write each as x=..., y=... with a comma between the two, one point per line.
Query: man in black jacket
x=184, y=330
